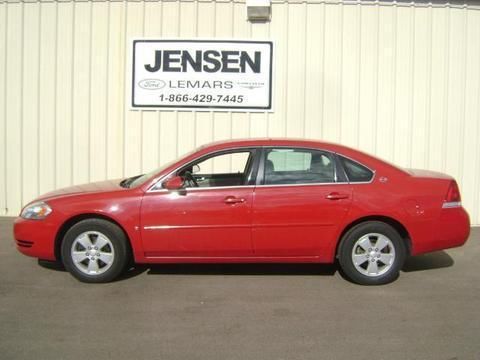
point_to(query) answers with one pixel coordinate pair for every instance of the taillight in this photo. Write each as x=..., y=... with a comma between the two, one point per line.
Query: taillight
x=453, y=198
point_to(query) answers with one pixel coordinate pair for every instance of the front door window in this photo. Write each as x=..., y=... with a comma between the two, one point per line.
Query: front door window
x=225, y=169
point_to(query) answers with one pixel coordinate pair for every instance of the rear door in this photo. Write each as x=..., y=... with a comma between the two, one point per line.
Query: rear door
x=299, y=203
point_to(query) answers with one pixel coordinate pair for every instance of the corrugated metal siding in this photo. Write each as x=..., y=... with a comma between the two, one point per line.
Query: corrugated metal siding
x=400, y=80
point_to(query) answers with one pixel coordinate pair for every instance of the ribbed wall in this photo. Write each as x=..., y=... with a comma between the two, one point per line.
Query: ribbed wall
x=398, y=80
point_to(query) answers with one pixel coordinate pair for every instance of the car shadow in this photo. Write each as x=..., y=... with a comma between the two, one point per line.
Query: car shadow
x=215, y=269
x=430, y=261
x=51, y=265
x=242, y=269
x=131, y=272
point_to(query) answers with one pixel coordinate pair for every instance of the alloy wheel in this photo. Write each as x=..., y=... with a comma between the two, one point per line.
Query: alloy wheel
x=92, y=253
x=373, y=254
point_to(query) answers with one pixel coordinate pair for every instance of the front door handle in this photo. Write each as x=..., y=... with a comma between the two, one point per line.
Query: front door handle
x=336, y=196
x=233, y=200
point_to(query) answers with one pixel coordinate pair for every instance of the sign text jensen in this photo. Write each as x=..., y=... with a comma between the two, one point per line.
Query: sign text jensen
x=209, y=61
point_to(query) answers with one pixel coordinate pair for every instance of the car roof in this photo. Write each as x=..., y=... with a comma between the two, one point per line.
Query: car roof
x=271, y=142
x=369, y=160
x=305, y=143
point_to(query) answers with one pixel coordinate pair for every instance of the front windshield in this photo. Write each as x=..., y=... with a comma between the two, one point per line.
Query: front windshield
x=138, y=180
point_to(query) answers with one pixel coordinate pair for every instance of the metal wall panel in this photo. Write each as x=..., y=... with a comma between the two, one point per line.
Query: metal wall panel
x=399, y=80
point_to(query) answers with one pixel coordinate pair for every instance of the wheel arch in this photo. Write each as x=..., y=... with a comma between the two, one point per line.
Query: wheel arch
x=76, y=219
x=397, y=225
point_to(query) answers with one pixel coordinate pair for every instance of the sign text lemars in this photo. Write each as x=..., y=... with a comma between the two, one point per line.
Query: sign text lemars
x=209, y=75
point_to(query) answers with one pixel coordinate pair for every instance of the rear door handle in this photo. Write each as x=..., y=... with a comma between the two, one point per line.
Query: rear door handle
x=336, y=196
x=233, y=200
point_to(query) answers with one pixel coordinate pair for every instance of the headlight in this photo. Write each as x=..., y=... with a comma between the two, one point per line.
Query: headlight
x=36, y=211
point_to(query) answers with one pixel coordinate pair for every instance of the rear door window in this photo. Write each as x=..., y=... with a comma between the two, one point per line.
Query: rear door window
x=298, y=166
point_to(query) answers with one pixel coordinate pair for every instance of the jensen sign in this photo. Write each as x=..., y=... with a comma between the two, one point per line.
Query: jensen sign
x=207, y=75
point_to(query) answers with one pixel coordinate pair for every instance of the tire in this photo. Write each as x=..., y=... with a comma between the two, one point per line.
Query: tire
x=372, y=253
x=95, y=251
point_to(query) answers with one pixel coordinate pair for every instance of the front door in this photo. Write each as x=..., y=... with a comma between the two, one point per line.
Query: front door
x=210, y=217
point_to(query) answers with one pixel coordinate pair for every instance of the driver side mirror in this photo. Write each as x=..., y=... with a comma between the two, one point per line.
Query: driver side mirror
x=175, y=183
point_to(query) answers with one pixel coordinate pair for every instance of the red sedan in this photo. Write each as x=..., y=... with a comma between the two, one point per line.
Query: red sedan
x=250, y=201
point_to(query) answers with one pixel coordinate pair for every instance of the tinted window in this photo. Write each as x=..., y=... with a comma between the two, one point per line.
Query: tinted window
x=298, y=166
x=355, y=171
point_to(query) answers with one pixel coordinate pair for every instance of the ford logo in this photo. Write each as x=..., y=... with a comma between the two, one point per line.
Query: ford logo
x=151, y=84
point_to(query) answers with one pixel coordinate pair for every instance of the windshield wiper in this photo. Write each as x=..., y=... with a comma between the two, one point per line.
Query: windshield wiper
x=125, y=183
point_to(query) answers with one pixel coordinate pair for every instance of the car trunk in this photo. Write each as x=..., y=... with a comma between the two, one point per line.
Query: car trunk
x=428, y=174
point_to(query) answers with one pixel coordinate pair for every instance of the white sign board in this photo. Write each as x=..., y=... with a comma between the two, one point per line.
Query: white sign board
x=209, y=75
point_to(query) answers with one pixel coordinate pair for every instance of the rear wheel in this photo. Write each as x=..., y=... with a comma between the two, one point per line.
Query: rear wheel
x=372, y=253
x=95, y=251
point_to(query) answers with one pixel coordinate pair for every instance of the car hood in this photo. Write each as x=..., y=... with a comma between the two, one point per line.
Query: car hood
x=95, y=187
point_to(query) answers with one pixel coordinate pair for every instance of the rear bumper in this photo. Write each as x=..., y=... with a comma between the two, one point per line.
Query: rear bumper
x=35, y=238
x=452, y=229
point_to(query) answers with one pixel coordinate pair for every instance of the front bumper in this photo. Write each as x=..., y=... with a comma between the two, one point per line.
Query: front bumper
x=35, y=238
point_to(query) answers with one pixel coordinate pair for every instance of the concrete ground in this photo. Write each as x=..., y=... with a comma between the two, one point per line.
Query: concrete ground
x=241, y=311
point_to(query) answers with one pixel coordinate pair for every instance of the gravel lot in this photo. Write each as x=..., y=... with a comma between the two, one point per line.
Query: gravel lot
x=241, y=311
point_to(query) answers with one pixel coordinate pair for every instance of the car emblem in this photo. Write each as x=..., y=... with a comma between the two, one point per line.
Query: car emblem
x=151, y=84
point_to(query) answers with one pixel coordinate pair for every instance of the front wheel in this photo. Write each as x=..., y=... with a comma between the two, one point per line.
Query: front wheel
x=372, y=253
x=95, y=251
